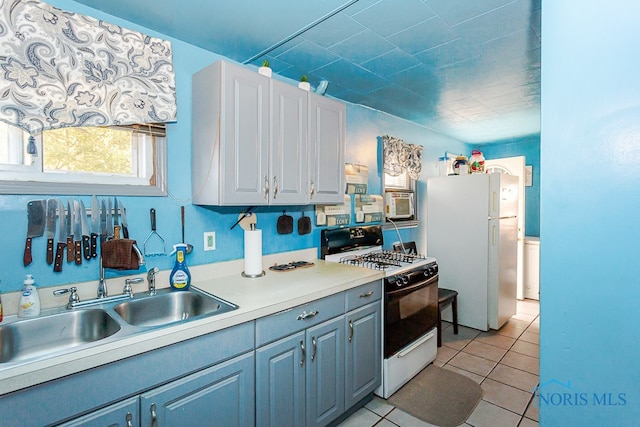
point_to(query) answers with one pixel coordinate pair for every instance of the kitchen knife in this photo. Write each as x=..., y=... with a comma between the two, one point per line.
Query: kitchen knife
x=35, y=226
x=123, y=213
x=86, y=246
x=52, y=206
x=62, y=237
x=116, y=225
x=103, y=222
x=77, y=233
x=70, y=246
x=95, y=225
x=109, y=219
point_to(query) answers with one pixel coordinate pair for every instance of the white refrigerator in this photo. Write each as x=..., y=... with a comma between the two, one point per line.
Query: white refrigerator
x=472, y=230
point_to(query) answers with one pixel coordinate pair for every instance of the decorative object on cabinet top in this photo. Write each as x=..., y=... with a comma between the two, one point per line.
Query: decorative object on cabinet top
x=112, y=75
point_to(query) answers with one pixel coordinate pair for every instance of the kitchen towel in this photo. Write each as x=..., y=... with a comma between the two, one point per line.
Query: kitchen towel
x=253, y=253
x=119, y=254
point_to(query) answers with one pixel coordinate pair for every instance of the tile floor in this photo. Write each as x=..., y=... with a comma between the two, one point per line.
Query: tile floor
x=505, y=363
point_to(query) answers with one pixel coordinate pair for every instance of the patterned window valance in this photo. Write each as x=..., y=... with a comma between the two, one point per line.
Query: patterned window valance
x=400, y=157
x=61, y=69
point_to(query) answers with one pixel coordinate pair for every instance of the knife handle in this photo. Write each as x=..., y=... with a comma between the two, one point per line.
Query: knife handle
x=94, y=245
x=125, y=232
x=49, y=251
x=86, y=247
x=116, y=231
x=77, y=246
x=57, y=265
x=27, y=252
x=70, y=254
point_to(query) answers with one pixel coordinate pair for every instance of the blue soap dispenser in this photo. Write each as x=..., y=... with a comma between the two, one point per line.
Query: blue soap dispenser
x=180, y=277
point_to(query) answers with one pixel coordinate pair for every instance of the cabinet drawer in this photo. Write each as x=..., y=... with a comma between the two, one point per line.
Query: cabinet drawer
x=278, y=325
x=363, y=295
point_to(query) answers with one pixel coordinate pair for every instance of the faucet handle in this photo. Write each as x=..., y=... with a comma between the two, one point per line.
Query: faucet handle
x=73, y=295
x=127, y=286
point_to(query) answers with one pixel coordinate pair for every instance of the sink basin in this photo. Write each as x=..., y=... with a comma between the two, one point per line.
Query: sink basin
x=29, y=338
x=170, y=307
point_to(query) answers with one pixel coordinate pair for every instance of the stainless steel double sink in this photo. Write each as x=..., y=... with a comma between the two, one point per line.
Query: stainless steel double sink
x=62, y=331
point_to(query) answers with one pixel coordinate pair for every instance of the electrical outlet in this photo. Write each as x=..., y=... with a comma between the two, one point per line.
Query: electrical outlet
x=209, y=241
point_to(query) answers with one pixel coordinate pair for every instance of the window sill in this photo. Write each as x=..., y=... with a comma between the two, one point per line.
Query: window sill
x=32, y=187
x=400, y=224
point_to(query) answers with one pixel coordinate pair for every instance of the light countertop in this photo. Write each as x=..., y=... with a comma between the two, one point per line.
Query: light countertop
x=256, y=297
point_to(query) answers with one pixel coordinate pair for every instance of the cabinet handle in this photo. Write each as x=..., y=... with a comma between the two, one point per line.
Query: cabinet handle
x=315, y=348
x=304, y=353
x=275, y=187
x=312, y=190
x=350, y=330
x=367, y=295
x=154, y=417
x=304, y=315
x=128, y=418
x=265, y=190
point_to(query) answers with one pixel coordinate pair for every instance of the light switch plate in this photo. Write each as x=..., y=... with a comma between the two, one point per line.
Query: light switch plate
x=209, y=240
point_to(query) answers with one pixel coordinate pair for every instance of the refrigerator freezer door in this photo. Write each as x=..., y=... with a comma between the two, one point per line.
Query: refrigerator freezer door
x=457, y=210
x=503, y=195
x=502, y=279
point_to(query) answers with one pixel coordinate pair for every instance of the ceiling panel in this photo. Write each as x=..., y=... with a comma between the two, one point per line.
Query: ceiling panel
x=467, y=68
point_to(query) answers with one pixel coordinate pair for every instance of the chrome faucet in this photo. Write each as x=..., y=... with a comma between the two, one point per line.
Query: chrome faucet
x=102, y=283
x=151, y=280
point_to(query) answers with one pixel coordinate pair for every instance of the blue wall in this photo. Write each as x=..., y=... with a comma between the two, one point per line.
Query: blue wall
x=589, y=285
x=529, y=147
x=363, y=127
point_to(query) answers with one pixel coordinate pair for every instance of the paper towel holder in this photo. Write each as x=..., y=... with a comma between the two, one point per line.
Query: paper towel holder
x=252, y=276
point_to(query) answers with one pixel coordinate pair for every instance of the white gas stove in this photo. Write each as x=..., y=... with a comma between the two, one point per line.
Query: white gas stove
x=410, y=304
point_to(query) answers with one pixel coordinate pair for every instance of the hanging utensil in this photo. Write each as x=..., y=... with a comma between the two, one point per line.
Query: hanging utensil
x=304, y=224
x=244, y=214
x=189, y=245
x=285, y=223
x=154, y=239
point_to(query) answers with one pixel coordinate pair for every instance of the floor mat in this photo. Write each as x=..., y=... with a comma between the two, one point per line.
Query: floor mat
x=438, y=396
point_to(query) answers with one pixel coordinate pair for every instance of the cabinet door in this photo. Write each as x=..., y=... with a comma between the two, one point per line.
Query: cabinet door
x=222, y=395
x=245, y=132
x=288, y=144
x=363, y=352
x=280, y=382
x=325, y=372
x=327, y=135
x=121, y=414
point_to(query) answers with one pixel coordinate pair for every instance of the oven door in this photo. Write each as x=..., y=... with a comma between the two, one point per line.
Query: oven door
x=410, y=313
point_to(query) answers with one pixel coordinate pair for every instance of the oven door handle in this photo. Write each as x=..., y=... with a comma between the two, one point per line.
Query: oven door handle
x=412, y=288
x=415, y=345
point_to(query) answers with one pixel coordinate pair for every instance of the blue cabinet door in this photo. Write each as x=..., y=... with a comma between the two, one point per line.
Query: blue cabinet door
x=363, y=352
x=325, y=372
x=280, y=382
x=222, y=395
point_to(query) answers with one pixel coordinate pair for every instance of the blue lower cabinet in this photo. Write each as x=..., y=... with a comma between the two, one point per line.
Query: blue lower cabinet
x=121, y=414
x=325, y=372
x=280, y=382
x=222, y=395
x=363, y=352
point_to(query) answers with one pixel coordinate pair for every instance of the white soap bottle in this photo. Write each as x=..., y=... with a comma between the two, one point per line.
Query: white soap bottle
x=29, y=300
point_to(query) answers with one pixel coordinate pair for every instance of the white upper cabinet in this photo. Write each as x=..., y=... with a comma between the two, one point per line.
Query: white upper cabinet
x=253, y=144
x=327, y=136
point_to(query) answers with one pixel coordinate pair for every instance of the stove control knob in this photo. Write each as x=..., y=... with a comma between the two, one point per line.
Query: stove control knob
x=405, y=280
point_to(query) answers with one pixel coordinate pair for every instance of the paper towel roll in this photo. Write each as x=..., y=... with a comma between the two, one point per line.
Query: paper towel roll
x=253, y=252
